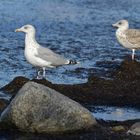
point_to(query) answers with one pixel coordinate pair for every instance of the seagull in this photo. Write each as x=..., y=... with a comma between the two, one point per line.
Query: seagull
x=128, y=38
x=38, y=55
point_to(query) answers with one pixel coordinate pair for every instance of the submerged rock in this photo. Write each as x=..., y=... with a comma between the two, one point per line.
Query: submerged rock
x=118, y=128
x=40, y=109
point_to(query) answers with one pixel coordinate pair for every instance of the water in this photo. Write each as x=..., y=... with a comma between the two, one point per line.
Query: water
x=76, y=29
x=4, y=96
x=108, y=113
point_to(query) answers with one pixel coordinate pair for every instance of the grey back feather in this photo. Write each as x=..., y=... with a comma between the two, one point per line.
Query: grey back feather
x=50, y=56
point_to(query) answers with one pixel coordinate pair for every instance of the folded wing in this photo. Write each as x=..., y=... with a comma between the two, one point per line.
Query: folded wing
x=50, y=56
x=133, y=36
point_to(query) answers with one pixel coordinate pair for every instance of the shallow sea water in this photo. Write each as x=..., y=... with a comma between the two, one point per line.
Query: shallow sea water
x=76, y=29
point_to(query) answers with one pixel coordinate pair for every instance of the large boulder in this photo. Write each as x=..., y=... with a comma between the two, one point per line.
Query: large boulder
x=37, y=108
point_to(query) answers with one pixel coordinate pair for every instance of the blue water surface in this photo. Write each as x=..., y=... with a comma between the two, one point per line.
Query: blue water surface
x=76, y=29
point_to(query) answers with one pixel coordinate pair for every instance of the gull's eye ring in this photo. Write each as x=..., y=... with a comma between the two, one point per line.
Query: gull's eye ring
x=120, y=23
x=25, y=27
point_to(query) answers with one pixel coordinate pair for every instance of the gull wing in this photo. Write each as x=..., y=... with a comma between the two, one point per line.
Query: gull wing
x=50, y=56
x=133, y=36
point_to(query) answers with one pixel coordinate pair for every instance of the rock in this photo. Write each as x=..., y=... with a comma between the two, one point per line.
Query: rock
x=15, y=85
x=3, y=104
x=118, y=128
x=121, y=90
x=134, y=129
x=128, y=71
x=37, y=108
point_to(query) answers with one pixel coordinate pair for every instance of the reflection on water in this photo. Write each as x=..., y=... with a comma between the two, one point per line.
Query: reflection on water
x=115, y=113
x=4, y=96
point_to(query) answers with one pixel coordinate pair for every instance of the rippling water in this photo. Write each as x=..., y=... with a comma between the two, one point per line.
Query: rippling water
x=77, y=29
x=115, y=113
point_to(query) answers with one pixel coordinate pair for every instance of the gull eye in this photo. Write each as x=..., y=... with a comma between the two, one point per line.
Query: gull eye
x=120, y=23
x=25, y=27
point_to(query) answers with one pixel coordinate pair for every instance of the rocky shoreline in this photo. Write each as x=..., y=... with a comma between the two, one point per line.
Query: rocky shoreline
x=121, y=90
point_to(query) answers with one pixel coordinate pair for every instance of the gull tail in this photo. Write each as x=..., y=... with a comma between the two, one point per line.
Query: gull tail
x=73, y=62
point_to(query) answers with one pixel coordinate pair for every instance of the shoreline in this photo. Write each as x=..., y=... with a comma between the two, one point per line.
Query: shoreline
x=122, y=90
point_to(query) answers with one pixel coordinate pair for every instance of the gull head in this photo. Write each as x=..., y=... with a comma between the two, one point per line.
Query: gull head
x=122, y=24
x=26, y=29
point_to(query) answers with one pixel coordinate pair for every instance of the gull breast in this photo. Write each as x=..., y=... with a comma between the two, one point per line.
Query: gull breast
x=122, y=39
x=31, y=57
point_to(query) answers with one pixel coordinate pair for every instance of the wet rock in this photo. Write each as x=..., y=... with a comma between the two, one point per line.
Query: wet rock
x=118, y=128
x=3, y=104
x=128, y=71
x=134, y=129
x=15, y=85
x=123, y=89
x=37, y=108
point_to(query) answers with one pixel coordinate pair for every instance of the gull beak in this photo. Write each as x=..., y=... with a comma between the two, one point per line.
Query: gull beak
x=18, y=30
x=114, y=25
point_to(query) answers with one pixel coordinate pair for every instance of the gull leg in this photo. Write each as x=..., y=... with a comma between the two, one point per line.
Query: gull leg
x=39, y=74
x=133, y=54
x=44, y=72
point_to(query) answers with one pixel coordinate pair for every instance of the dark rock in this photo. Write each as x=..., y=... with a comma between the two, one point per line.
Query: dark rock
x=122, y=89
x=37, y=108
x=118, y=128
x=3, y=104
x=128, y=71
x=15, y=85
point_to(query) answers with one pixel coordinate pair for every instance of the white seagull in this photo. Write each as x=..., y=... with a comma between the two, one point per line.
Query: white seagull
x=39, y=56
x=128, y=38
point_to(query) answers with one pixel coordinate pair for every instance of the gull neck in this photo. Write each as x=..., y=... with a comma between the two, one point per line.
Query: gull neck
x=30, y=39
x=123, y=28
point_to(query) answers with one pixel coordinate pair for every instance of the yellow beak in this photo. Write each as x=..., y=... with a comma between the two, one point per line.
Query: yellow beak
x=18, y=30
